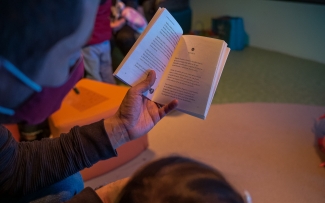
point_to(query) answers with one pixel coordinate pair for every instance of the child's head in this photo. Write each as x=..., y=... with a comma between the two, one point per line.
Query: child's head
x=180, y=180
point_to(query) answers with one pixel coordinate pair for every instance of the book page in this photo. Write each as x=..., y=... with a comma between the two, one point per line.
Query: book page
x=216, y=79
x=152, y=51
x=192, y=73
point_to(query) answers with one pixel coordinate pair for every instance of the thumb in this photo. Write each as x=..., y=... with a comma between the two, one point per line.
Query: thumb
x=147, y=83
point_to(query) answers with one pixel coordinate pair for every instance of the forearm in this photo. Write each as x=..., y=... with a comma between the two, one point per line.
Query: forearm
x=27, y=166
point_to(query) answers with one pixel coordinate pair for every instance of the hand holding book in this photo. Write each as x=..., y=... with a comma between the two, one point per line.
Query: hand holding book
x=188, y=67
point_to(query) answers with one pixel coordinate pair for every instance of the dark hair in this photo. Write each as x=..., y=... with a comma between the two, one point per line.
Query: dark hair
x=102, y=2
x=29, y=28
x=178, y=180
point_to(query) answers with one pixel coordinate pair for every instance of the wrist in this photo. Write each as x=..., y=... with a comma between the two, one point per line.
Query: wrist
x=116, y=132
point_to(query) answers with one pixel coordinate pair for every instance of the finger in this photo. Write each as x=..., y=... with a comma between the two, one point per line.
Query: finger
x=147, y=83
x=163, y=111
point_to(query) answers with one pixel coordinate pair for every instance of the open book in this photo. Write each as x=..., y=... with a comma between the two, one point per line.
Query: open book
x=188, y=67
